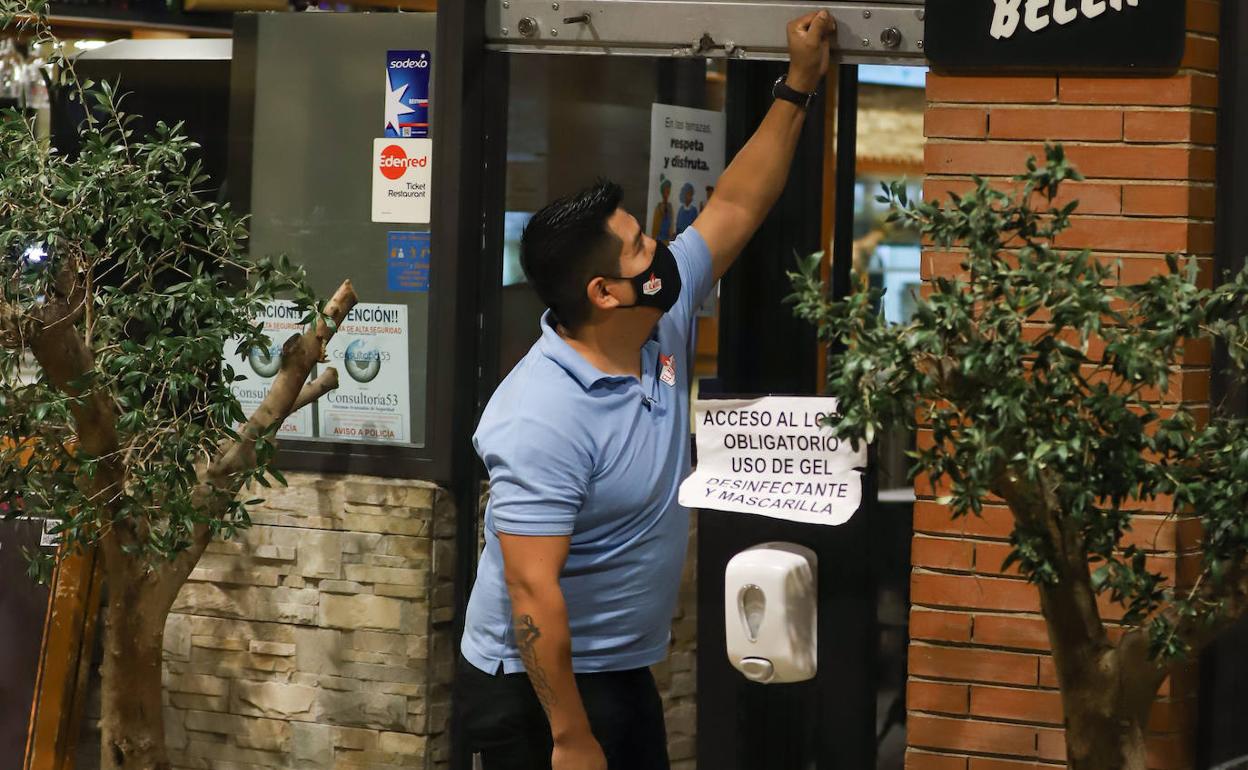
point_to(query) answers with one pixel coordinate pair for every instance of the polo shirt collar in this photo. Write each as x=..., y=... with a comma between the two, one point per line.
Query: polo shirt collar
x=557, y=349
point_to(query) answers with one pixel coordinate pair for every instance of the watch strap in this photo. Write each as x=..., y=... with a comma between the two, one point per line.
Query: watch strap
x=782, y=90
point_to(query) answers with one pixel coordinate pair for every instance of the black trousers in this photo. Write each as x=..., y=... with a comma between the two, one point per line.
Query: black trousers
x=503, y=721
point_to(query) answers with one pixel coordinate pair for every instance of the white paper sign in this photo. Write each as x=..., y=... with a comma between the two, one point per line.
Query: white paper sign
x=48, y=538
x=260, y=365
x=402, y=169
x=372, y=402
x=772, y=456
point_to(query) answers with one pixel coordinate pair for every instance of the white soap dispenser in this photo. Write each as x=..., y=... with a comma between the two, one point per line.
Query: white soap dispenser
x=771, y=612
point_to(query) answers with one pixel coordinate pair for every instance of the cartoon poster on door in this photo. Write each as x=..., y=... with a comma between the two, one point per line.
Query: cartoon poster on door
x=686, y=160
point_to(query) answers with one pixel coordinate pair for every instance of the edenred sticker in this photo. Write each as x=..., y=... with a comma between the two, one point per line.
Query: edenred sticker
x=402, y=169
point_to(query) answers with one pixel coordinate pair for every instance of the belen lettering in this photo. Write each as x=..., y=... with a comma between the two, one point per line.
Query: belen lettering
x=1062, y=13
x=1036, y=15
x=1035, y=20
x=1005, y=18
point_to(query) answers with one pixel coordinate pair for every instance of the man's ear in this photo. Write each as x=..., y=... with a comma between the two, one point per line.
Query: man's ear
x=600, y=295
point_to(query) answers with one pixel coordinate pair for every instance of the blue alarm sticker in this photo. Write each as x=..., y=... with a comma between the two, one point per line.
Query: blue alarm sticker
x=407, y=261
x=407, y=94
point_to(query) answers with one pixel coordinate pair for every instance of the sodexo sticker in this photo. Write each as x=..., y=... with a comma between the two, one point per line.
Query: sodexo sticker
x=401, y=177
x=407, y=93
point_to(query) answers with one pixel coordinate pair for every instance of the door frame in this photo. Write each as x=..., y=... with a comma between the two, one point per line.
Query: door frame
x=475, y=85
x=1224, y=666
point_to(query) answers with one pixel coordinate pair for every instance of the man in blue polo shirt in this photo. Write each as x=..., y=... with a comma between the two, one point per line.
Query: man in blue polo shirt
x=586, y=443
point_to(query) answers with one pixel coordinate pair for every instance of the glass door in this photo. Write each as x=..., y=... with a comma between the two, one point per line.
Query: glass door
x=572, y=119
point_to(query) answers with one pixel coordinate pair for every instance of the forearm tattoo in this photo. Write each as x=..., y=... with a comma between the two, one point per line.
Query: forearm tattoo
x=527, y=634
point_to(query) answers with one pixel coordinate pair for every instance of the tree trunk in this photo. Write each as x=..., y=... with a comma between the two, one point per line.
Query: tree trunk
x=1107, y=697
x=132, y=724
x=1099, y=741
x=1107, y=690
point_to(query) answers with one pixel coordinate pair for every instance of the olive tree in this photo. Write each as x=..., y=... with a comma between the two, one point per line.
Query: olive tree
x=125, y=285
x=1044, y=382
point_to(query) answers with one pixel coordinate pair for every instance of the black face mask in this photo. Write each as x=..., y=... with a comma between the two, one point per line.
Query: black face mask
x=657, y=286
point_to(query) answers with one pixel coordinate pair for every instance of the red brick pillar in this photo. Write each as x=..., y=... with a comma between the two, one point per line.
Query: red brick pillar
x=982, y=693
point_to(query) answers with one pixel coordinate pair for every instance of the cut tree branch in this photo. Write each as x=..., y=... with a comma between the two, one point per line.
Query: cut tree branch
x=222, y=478
x=299, y=354
x=324, y=383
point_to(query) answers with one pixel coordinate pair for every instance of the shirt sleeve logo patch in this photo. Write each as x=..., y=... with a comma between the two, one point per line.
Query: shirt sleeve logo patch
x=667, y=370
x=652, y=286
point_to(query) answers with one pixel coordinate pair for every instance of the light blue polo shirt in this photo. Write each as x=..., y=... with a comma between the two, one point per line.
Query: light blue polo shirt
x=573, y=451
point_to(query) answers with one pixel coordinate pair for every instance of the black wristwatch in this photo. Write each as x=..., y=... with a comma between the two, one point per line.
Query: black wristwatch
x=781, y=90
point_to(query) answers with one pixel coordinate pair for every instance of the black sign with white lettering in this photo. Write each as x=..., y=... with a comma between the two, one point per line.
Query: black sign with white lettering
x=1133, y=36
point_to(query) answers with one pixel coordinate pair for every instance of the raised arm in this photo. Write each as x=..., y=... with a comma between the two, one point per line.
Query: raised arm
x=539, y=616
x=751, y=184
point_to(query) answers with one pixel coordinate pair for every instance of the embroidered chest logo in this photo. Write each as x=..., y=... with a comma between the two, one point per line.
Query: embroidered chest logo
x=667, y=370
x=652, y=286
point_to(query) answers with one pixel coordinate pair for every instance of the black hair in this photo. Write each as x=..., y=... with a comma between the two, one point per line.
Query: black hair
x=567, y=244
